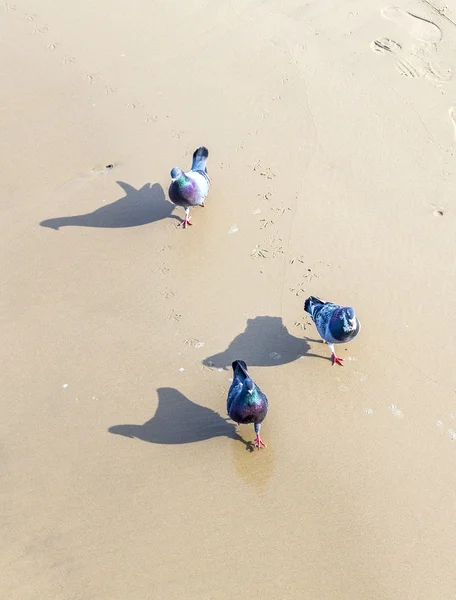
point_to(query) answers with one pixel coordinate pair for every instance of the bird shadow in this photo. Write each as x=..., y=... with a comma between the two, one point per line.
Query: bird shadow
x=265, y=342
x=178, y=420
x=137, y=207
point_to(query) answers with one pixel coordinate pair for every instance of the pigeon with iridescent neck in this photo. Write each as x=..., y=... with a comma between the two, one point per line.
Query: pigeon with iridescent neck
x=190, y=188
x=246, y=403
x=335, y=324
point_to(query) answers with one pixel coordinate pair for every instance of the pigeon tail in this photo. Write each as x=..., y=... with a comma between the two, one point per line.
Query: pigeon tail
x=310, y=302
x=199, y=159
x=239, y=367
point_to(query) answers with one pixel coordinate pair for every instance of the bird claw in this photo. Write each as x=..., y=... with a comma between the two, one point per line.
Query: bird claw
x=337, y=360
x=185, y=223
x=259, y=443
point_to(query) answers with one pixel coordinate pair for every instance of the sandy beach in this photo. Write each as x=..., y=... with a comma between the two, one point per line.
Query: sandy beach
x=331, y=129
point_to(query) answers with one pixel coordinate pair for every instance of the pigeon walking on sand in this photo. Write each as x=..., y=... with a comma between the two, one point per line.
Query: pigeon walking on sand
x=336, y=324
x=190, y=188
x=246, y=403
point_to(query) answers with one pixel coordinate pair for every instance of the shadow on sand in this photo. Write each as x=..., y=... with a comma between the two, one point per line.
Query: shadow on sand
x=137, y=207
x=265, y=342
x=178, y=420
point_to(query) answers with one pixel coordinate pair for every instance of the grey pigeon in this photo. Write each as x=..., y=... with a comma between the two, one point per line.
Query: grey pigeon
x=335, y=324
x=190, y=188
x=246, y=403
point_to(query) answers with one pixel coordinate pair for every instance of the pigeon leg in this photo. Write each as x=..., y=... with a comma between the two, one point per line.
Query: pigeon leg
x=336, y=359
x=186, y=221
x=259, y=442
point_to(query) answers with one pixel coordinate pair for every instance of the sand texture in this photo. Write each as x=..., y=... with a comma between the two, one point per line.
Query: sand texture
x=332, y=152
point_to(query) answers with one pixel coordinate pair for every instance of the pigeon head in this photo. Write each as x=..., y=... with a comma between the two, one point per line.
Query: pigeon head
x=349, y=313
x=176, y=173
x=249, y=385
x=348, y=319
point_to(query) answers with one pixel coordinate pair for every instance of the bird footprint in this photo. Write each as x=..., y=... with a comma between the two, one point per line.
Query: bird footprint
x=265, y=223
x=274, y=243
x=266, y=196
x=297, y=259
x=37, y=29
x=193, y=343
x=280, y=209
x=90, y=78
x=167, y=295
x=163, y=270
x=298, y=290
x=263, y=171
x=259, y=252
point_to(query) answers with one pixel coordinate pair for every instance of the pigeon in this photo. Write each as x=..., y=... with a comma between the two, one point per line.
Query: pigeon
x=246, y=403
x=191, y=188
x=336, y=324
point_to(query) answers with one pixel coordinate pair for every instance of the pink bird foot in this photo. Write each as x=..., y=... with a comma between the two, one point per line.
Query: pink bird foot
x=259, y=442
x=186, y=222
x=337, y=360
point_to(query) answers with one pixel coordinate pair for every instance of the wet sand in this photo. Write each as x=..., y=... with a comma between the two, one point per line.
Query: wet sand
x=331, y=136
